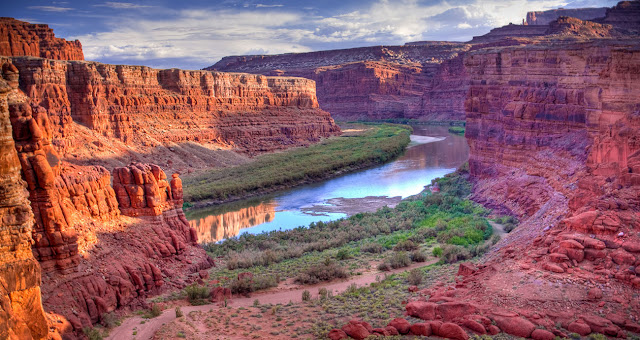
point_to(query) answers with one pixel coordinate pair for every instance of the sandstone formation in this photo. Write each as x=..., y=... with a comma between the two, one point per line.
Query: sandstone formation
x=423, y=80
x=21, y=313
x=546, y=17
x=19, y=38
x=172, y=116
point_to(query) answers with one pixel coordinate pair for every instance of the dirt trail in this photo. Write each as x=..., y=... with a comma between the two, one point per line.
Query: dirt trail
x=274, y=296
x=498, y=229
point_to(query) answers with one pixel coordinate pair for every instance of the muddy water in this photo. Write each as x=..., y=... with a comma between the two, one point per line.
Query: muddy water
x=433, y=153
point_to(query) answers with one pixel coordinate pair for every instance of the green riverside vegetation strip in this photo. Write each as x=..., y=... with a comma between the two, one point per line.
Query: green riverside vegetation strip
x=377, y=144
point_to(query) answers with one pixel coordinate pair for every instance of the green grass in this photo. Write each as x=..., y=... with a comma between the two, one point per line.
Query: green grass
x=377, y=144
x=458, y=130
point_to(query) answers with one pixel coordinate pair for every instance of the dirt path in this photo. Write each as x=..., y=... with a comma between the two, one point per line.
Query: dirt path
x=498, y=229
x=274, y=296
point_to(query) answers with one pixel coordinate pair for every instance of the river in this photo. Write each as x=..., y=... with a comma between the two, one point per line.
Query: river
x=433, y=152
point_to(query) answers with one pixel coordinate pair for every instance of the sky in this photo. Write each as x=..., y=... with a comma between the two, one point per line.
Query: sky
x=193, y=34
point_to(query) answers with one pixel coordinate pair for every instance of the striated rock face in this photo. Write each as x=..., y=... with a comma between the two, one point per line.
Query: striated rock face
x=553, y=137
x=21, y=313
x=19, y=38
x=148, y=107
x=383, y=81
x=546, y=17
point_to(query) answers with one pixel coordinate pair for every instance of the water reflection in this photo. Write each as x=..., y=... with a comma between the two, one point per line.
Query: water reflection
x=216, y=225
x=404, y=177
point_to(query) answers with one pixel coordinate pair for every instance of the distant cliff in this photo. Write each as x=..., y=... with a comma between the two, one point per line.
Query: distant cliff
x=19, y=38
x=425, y=81
x=546, y=17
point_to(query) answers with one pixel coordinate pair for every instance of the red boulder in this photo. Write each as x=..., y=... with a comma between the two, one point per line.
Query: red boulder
x=421, y=328
x=452, y=331
x=403, y=326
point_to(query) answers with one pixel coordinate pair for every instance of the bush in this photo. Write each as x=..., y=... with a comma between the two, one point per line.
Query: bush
x=415, y=277
x=343, y=254
x=407, y=245
x=399, y=260
x=453, y=253
x=418, y=256
x=179, y=313
x=197, y=295
x=322, y=272
x=372, y=247
x=109, y=320
x=247, y=285
x=93, y=333
x=306, y=295
x=323, y=293
x=384, y=266
x=437, y=251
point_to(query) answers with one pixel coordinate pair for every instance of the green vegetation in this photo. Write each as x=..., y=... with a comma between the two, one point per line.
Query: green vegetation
x=197, y=295
x=444, y=224
x=93, y=333
x=458, y=130
x=375, y=144
x=247, y=285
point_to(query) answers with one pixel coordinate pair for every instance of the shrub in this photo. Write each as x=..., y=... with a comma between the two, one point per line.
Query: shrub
x=418, y=256
x=415, y=277
x=437, y=251
x=322, y=272
x=196, y=295
x=178, y=312
x=399, y=260
x=372, y=247
x=343, y=254
x=93, y=333
x=406, y=245
x=323, y=293
x=384, y=266
x=109, y=320
x=306, y=295
x=453, y=253
x=247, y=285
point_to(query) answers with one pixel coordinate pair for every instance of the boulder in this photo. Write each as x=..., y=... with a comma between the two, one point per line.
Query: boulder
x=594, y=294
x=580, y=328
x=421, y=309
x=474, y=326
x=401, y=325
x=421, y=329
x=467, y=269
x=356, y=331
x=337, y=334
x=452, y=331
x=392, y=330
x=454, y=310
x=541, y=334
x=515, y=326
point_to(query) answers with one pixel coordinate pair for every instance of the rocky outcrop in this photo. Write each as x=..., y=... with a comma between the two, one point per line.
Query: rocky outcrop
x=21, y=313
x=546, y=17
x=625, y=15
x=19, y=38
x=146, y=108
x=422, y=80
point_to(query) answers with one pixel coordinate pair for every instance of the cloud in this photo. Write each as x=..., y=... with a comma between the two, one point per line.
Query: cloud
x=50, y=8
x=121, y=5
x=202, y=36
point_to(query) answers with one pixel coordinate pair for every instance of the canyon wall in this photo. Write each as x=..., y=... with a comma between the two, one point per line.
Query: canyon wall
x=19, y=38
x=372, y=83
x=546, y=17
x=554, y=138
x=21, y=313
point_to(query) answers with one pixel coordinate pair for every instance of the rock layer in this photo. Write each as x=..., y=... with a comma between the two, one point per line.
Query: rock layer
x=149, y=108
x=19, y=38
x=21, y=313
x=546, y=17
x=423, y=80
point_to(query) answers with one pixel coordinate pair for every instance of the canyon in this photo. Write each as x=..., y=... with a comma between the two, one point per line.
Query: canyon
x=552, y=122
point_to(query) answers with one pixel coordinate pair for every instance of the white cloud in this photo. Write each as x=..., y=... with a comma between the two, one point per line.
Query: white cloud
x=50, y=8
x=204, y=36
x=121, y=5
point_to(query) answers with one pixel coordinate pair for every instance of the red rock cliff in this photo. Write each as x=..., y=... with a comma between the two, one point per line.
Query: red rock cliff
x=19, y=38
x=554, y=138
x=21, y=313
x=145, y=107
x=546, y=17
x=375, y=82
